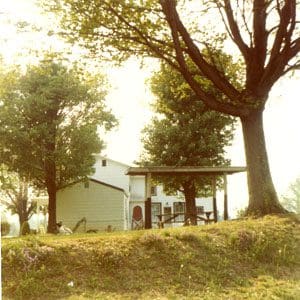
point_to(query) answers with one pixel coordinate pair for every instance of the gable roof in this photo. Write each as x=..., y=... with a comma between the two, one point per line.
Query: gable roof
x=95, y=181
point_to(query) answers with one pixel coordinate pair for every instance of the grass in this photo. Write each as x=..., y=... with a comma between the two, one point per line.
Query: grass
x=248, y=259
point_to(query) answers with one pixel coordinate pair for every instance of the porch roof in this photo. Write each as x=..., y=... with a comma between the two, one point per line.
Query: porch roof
x=184, y=170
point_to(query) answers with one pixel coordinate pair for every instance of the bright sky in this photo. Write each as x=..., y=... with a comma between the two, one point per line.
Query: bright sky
x=129, y=98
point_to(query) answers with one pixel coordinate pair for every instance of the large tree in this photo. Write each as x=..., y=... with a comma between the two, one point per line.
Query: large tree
x=48, y=125
x=185, y=133
x=265, y=33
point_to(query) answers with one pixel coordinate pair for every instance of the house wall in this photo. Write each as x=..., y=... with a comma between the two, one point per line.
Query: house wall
x=137, y=188
x=101, y=205
x=113, y=173
x=137, y=196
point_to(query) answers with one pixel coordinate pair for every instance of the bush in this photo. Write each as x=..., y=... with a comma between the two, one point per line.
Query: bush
x=5, y=226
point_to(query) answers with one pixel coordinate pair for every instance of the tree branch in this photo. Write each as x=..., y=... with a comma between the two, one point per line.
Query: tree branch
x=174, y=22
x=146, y=40
x=286, y=14
x=259, y=33
x=235, y=32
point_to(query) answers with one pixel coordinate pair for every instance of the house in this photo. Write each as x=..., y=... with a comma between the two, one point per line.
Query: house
x=103, y=206
x=113, y=172
x=112, y=199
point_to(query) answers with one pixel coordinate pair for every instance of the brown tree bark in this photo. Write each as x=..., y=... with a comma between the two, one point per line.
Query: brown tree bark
x=189, y=191
x=262, y=194
x=51, y=189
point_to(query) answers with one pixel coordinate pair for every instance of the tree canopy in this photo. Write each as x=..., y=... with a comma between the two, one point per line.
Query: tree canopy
x=48, y=125
x=185, y=133
x=265, y=33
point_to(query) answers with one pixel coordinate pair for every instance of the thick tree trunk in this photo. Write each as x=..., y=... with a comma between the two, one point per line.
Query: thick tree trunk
x=22, y=219
x=190, y=203
x=263, y=199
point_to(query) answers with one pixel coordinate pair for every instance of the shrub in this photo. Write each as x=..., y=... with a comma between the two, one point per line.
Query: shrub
x=5, y=226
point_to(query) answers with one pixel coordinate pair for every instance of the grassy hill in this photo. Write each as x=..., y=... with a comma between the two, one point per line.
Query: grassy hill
x=248, y=259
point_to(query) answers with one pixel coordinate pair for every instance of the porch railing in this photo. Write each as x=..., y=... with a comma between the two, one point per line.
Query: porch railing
x=183, y=218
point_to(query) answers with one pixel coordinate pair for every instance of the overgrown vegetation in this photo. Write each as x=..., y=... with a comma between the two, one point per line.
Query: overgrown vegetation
x=246, y=259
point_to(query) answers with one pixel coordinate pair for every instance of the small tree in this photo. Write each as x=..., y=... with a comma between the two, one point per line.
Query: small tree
x=15, y=196
x=48, y=125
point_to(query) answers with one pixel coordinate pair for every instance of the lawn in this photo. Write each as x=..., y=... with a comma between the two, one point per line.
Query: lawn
x=246, y=259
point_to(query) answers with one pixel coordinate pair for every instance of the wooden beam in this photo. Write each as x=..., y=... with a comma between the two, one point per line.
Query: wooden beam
x=225, y=198
x=148, y=218
x=214, y=188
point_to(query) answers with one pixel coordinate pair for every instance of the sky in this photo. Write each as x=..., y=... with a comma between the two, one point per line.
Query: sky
x=130, y=99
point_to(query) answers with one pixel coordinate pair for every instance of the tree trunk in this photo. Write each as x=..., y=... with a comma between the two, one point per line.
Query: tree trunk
x=52, y=209
x=50, y=165
x=22, y=220
x=263, y=199
x=51, y=189
x=190, y=203
x=22, y=200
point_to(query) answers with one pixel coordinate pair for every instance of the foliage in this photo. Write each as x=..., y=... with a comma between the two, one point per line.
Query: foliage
x=185, y=132
x=229, y=260
x=14, y=192
x=5, y=227
x=51, y=99
x=291, y=201
x=49, y=118
x=176, y=32
x=241, y=213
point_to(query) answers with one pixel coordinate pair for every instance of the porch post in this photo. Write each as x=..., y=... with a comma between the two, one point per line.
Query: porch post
x=214, y=188
x=225, y=198
x=148, y=219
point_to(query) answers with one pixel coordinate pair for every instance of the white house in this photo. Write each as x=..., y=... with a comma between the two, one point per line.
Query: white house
x=113, y=172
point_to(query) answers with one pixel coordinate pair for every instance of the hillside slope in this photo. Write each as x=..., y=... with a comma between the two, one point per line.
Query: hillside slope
x=249, y=259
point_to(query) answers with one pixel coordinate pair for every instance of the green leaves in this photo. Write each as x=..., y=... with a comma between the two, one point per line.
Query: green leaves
x=52, y=105
x=184, y=132
x=114, y=29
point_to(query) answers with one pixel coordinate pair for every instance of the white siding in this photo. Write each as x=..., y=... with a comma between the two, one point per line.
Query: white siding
x=137, y=188
x=101, y=205
x=113, y=173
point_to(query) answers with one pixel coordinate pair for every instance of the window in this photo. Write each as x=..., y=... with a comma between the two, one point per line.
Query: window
x=179, y=208
x=153, y=190
x=200, y=210
x=155, y=210
x=104, y=163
